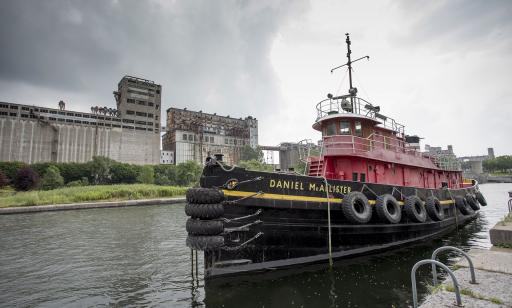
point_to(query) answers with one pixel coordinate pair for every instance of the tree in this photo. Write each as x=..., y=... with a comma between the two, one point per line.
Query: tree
x=248, y=153
x=52, y=178
x=26, y=179
x=188, y=173
x=255, y=165
x=101, y=169
x=147, y=175
x=125, y=173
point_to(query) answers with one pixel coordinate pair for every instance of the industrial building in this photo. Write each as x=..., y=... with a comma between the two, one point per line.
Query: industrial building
x=130, y=133
x=193, y=135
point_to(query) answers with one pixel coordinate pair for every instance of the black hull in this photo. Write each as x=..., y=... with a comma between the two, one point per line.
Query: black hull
x=291, y=227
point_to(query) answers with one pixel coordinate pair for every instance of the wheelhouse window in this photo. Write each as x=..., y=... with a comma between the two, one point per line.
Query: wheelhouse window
x=330, y=130
x=358, y=129
x=344, y=128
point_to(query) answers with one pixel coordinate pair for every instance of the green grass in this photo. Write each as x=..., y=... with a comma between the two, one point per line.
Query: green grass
x=89, y=194
x=507, y=219
x=472, y=294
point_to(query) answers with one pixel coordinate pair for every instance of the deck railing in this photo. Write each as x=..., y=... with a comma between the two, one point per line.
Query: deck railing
x=349, y=144
x=347, y=104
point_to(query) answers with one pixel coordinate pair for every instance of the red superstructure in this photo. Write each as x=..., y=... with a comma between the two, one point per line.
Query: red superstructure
x=360, y=144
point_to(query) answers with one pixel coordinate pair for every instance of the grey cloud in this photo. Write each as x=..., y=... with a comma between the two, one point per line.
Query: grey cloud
x=206, y=54
x=457, y=25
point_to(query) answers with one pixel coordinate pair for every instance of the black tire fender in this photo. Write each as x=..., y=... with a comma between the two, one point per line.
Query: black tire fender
x=356, y=208
x=204, y=227
x=202, y=195
x=480, y=198
x=414, y=209
x=202, y=242
x=473, y=203
x=434, y=208
x=204, y=211
x=462, y=205
x=388, y=209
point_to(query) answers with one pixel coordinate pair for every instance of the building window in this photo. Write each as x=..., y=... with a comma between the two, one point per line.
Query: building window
x=185, y=137
x=143, y=103
x=190, y=138
x=24, y=115
x=141, y=114
x=344, y=128
x=128, y=121
x=363, y=177
x=330, y=129
x=130, y=101
x=358, y=131
x=150, y=104
x=354, y=176
x=234, y=141
x=150, y=115
x=130, y=112
x=14, y=107
x=24, y=108
x=211, y=139
x=226, y=140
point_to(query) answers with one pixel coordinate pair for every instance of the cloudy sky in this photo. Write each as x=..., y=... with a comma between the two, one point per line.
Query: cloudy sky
x=442, y=68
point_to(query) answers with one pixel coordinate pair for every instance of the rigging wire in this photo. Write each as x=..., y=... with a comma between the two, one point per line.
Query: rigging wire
x=341, y=83
x=362, y=85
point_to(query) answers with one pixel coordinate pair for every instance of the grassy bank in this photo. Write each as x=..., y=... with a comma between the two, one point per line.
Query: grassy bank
x=90, y=194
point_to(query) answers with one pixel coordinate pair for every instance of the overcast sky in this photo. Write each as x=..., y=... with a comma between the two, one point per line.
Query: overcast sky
x=442, y=68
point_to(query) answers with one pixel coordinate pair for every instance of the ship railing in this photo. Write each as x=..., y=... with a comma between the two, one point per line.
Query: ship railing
x=349, y=144
x=347, y=104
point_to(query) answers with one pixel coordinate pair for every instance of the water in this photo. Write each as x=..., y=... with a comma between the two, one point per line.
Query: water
x=137, y=257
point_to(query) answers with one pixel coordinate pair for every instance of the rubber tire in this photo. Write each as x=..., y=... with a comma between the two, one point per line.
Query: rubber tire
x=462, y=205
x=204, y=195
x=480, y=198
x=381, y=207
x=472, y=202
x=349, y=210
x=410, y=209
x=204, y=227
x=201, y=242
x=204, y=211
x=434, y=209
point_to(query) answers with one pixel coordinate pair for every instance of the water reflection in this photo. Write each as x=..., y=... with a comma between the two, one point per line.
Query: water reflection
x=137, y=257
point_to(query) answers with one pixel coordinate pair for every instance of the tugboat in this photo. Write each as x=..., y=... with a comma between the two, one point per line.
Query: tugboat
x=368, y=190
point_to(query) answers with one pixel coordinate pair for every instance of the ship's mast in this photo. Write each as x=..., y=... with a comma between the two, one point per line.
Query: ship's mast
x=352, y=91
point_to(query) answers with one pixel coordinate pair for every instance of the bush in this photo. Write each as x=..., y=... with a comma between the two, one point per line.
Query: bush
x=26, y=179
x=10, y=169
x=188, y=173
x=125, y=173
x=162, y=179
x=74, y=184
x=3, y=179
x=165, y=175
x=101, y=169
x=52, y=178
x=147, y=175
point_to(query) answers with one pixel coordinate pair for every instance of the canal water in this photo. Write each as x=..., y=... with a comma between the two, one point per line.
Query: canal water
x=137, y=257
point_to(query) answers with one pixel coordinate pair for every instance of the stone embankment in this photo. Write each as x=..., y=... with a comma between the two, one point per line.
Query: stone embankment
x=493, y=271
x=89, y=205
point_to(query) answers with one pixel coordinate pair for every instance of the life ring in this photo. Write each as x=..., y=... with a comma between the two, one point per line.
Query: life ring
x=414, y=209
x=356, y=208
x=472, y=202
x=462, y=205
x=388, y=209
x=480, y=198
x=434, y=208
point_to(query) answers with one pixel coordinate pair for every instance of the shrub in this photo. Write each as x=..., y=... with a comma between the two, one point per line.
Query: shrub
x=26, y=179
x=101, y=169
x=84, y=181
x=52, y=178
x=165, y=174
x=147, y=175
x=3, y=179
x=188, y=173
x=125, y=173
x=74, y=183
x=10, y=169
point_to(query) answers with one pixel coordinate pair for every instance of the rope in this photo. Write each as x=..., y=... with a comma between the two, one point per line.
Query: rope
x=244, y=243
x=328, y=220
x=226, y=220
x=259, y=178
x=364, y=186
x=243, y=198
x=222, y=166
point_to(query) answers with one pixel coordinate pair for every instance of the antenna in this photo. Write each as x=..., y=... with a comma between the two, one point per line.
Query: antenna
x=351, y=90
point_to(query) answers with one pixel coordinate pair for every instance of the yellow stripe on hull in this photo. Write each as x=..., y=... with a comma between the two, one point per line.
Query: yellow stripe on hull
x=235, y=193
